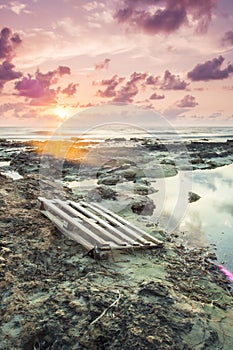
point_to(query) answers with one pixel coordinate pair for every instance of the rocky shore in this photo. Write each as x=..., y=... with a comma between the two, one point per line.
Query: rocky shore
x=54, y=296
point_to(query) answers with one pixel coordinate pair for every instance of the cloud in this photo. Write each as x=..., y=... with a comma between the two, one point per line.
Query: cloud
x=168, y=81
x=151, y=80
x=125, y=93
x=38, y=88
x=8, y=43
x=227, y=39
x=102, y=65
x=172, y=82
x=155, y=96
x=15, y=6
x=228, y=87
x=5, y=107
x=111, y=85
x=156, y=16
x=210, y=70
x=187, y=102
x=7, y=73
x=130, y=90
x=70, y=90
x=88, y=105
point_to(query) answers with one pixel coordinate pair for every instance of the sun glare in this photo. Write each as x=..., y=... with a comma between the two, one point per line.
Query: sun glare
x=61, y=112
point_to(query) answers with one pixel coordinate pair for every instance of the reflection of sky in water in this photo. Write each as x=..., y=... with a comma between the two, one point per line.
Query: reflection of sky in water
x=210, y=219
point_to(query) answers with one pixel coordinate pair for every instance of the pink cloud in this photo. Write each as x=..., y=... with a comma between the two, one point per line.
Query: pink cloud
x=227, y=39
x=70, y=90
x=130, y=90
x=151, y=80
x=172, y=82
x=187, y=102
x=168, y=81
x=111, y=85
x=39, y=87
x=168, y=18
x=7, y=73
x=125, y=93
x=156, y=96
x=102, y=65
x=210, y=70
x=8, y=42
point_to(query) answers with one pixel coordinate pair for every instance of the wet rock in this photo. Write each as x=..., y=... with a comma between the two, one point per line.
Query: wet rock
x=109, y=180
x=197, y=161
x=193, y=197
x=143, y=206
x=168, y=161
x=101, y=192
x=143, y=189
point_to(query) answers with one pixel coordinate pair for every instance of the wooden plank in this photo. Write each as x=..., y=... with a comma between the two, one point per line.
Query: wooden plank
x=88, y=235
x=116, y=222
x=117, y=232
x=127, y=223
x=72, y=235
x=104, y=233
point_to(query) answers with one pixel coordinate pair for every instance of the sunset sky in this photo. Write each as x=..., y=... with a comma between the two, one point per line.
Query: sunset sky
x=59, y=57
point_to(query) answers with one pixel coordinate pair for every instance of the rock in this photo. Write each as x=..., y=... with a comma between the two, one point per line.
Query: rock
x=129, y=174
x=143, y=206
x=193, y=197
x=168, y=161
x=143, y=189
x=197, y=161
x=101, y=192
x=109, y=180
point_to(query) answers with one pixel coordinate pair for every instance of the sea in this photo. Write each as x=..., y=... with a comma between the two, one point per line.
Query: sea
x=206, y=222
x=103, y=132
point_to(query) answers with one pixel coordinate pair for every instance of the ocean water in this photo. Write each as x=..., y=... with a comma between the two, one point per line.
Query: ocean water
x=103, y=132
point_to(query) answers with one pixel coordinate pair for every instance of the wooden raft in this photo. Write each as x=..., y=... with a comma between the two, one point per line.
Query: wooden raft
x=96, y=228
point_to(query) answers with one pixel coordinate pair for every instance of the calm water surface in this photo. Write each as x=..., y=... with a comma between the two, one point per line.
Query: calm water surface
x=208, y=221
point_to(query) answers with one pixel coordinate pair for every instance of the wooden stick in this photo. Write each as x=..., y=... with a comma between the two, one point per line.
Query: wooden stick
x=104, y=312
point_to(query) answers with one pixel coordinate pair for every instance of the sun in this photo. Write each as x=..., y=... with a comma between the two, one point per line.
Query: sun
x=61, y=113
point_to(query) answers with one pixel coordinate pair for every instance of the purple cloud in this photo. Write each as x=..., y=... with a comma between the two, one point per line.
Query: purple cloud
x=130, y=90
x=125, y=93
x=102, y=65
x=187, y=102
x=70, y=90
x=227, y=38
x=155, y=96
x=111, y=85
x=172, y=82
x=8, y=42
x=7, y=73
x=210, y=70
x=39, y=87
x=151, y=80
x=144, y=16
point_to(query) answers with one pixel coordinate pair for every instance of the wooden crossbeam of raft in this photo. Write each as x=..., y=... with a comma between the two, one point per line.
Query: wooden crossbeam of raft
x=95, y=227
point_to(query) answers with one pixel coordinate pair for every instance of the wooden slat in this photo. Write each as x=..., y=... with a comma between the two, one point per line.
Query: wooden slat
x=90, y=236
x=127, y=223
x=116, y=222
x=95, y=227
x=72, y=235
x=104, y=233
x=115, y=231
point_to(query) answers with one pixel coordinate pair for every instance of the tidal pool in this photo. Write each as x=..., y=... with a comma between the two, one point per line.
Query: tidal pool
x=208, y=221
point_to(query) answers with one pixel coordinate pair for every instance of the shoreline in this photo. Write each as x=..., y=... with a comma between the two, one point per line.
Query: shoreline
x=53, y=295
